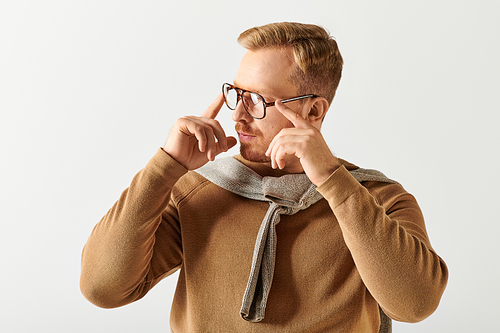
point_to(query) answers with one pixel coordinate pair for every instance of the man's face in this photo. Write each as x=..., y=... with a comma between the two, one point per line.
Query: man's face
x=265, y=72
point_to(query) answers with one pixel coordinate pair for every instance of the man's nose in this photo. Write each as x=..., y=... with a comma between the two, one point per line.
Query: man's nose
x=240, y=114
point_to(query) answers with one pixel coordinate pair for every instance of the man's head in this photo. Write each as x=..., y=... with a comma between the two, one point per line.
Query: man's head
x=284, y=60
x=316, y=55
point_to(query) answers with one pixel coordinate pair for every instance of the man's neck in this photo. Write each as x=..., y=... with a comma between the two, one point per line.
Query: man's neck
x=265, y=169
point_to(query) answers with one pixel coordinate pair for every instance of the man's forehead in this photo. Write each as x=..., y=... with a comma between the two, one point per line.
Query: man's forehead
x=266, y=71
x=255, y=89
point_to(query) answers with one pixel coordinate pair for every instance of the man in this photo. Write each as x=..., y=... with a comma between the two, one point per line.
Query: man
x=283, y=237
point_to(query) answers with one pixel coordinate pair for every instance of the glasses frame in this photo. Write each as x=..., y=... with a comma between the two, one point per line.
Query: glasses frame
x=240, y=92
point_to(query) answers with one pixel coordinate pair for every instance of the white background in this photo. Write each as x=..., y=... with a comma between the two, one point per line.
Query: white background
x=90, y=89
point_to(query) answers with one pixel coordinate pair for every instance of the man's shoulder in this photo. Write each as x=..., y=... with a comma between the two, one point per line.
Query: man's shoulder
x=188, y=184
x=376, y=182
x=365, y=174
x=199, y=182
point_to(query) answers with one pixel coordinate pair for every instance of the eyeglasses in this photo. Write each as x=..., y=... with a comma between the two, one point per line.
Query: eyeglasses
x=254, y=104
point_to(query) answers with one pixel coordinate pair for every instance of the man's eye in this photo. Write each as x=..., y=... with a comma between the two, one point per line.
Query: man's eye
x=256, y=99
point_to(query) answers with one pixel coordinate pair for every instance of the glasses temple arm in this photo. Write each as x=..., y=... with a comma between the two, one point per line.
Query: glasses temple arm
x=291, y=99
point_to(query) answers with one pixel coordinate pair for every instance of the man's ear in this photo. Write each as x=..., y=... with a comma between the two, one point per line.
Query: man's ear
x=317, y=111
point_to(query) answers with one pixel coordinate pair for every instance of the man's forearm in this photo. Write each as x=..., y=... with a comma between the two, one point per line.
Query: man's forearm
x=385, y=232
x=116, y=258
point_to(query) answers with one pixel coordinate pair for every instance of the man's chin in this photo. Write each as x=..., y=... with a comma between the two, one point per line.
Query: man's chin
x=253, y=156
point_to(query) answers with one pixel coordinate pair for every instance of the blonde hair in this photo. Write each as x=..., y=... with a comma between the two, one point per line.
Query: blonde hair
x=319, y=63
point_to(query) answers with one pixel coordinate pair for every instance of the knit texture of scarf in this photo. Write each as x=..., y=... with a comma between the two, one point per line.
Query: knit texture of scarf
x=287, y=195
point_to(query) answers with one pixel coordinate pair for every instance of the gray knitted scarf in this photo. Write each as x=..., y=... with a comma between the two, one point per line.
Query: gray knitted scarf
x=287, y=195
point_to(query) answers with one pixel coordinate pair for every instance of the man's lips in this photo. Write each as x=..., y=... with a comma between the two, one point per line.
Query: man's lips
x=245, y=133
x=245, y=136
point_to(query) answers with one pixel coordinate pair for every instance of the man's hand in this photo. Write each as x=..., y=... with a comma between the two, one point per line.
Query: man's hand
x=192, y=140
x=305, y=142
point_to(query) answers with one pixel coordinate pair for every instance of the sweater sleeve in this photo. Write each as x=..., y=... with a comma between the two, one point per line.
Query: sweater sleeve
x=384, y=229
x=122, y=260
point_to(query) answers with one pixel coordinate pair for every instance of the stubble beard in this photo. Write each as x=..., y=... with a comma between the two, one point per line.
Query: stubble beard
x=254, y=154
x=254, y=151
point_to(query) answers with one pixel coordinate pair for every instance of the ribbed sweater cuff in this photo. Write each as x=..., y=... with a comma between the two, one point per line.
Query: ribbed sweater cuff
x=338, y=187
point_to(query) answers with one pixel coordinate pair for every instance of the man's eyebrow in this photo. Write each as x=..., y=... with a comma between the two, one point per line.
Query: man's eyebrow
x=260, y=92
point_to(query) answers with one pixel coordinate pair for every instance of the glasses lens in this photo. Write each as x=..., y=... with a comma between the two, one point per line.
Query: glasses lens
x=230, y=96
x=254, y=104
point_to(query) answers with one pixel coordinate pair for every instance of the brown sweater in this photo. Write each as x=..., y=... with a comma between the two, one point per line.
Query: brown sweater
x=364, y=245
